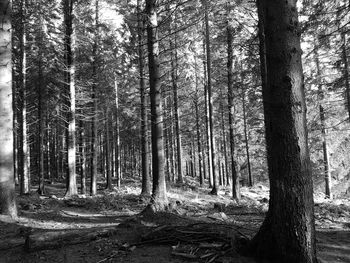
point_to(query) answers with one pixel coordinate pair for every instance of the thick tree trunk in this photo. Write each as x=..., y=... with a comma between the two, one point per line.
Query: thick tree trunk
x=288, y=231
x=146, y=184
x=23, y=169
x=7, y=184
x=159, y=197
x=214, y=190
x=70, y=82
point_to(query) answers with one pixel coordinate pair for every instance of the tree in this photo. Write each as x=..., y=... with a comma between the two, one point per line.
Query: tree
x=7, y=184
x=144, y=141
x=69, y=44
x=159, y=197
x=288, y=231
x=211, y=140
x=231, y=114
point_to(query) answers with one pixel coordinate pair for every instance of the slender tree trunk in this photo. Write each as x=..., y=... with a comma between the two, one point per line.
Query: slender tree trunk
x=70, y=82
x=159, y=197
x=146, y=184
x=7, y=184
x=288, y=231
x=198, y=128
x=327, y=173
x=40, y=109
x=224, y=147
x=109, y=185
x=117, y=147
x=174, y=65
x=94, y=124
x=214, y=190
x=82, y=158
x=207, y=134
x=246, y=138
x=346, y=71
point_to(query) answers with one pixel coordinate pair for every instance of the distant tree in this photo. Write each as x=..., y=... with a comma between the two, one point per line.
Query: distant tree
x=288, y=231
x=7, y=184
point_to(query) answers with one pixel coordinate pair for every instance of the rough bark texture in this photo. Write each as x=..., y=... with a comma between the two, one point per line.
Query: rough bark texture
x=7, y=184
x=23, y=170
x=288, y=232
x=70, y=81
x=159, y=197
x=146, y=186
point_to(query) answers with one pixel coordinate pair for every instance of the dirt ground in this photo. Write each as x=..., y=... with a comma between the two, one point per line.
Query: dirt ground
x=119, y=210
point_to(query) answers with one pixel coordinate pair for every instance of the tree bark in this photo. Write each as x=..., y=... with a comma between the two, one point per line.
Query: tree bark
x=94, y=124
x=159, y=197
x=211, y=142
x=288, y=231
x=246, y=138
x=109, y=185
x=7, y=184
x=327, y=174
x=117, y=160
x=70, y=82
x=174, y=65
x=40, y=108
x=23, y=169
x=146, y=184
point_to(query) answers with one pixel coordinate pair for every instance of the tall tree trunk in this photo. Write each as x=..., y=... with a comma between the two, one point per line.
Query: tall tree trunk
x=345, y=71
x=23, y=169
x=7, y=184
x=288, y=231
x=159, y=196
x=207, y=134
x=40, y=109
x=117, y=135
x=198, y=128
x=109, y=185
x=174, y=65
x=246, y=138
x=94, y=124
x=70, y=82
x=214, y=190
x=224, y=146
x=327, y=173
x=146, y=184
x=236, y=194
x=82, y=158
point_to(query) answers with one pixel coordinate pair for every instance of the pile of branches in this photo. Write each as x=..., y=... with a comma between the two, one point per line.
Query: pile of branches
x=202, y=242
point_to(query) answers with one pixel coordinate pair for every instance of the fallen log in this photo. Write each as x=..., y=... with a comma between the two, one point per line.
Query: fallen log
x=9, y=243
x=55, y=239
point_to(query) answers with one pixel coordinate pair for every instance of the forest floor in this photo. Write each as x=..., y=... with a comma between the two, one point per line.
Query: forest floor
x=197, y=228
